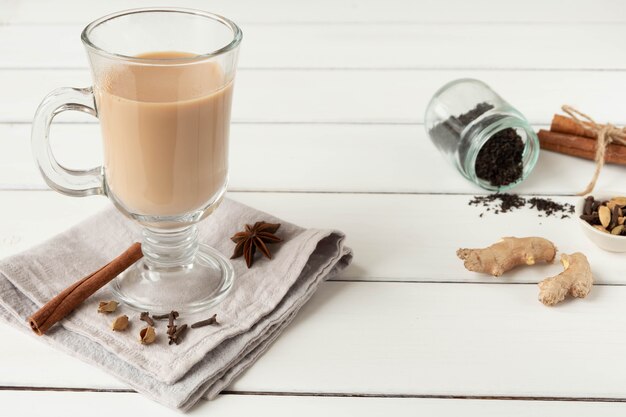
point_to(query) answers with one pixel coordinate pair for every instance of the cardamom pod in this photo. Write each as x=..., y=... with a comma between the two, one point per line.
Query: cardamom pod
x=147, y=335
x=120, y=323
x=605, y=215
x=620, y=201
x=107, y=306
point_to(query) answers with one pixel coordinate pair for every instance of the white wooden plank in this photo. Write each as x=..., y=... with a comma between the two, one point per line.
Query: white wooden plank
x=353, y=96
x=415, y=237
x=311, y=157
x=74, y=404
x=412, y=339
x=395, y=237
x=438, y=339
x=493, y=46
x=29, y=362
x=365, y=11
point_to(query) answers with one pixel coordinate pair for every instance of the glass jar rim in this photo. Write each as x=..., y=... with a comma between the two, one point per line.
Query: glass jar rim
x=234, y=43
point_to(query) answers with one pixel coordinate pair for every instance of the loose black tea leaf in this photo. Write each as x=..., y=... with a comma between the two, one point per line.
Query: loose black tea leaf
x=499, y=161
x=448, y=133
x=549, y=207
x=504, y=203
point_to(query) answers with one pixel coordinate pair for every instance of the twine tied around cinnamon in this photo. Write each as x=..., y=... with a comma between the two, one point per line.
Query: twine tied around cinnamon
x=605, y=133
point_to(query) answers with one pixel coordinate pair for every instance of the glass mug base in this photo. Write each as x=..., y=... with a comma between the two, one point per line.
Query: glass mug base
x=187, y=289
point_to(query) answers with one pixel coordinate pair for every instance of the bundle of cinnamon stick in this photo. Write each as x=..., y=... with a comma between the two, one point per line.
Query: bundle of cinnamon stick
x=568, y=137
x=579, y=135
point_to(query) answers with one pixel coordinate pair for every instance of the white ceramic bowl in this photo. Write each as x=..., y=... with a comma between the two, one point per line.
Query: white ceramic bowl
x=606, y=241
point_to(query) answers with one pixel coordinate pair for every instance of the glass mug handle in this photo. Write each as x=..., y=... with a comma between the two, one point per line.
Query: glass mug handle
x=77, y=183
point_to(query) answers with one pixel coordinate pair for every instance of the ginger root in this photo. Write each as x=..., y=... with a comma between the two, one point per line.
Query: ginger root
x=575, y=280
x=507, y=254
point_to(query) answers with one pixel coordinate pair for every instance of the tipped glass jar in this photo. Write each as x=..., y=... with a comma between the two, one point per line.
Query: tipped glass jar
x=489, y=141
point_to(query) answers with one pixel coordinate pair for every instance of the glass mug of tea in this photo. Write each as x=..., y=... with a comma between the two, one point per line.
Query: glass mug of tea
x=162, y=91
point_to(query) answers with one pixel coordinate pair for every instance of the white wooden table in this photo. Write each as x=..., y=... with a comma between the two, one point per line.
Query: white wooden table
x=344, y=83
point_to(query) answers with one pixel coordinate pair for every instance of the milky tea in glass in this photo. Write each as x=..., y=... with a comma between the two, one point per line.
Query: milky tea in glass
x=165, y=131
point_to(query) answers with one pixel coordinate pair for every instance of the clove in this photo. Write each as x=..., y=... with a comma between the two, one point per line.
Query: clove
x=176, y=336
x=208, y=322
x=587, y=209
x=145, y=316
x=171, y=327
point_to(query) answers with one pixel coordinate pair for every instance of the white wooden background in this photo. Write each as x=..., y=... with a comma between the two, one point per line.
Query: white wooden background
x=336, y=89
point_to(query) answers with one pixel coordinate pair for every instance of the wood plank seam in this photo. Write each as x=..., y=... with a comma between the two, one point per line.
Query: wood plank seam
x=429, y=396
x=338, y=395
x=369, y=68
x=270, y=191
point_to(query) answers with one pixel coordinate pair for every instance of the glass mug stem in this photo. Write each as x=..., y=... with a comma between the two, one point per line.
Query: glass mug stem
x=164, y=248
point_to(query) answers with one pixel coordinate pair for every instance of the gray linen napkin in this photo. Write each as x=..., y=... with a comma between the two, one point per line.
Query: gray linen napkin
x=262, y=302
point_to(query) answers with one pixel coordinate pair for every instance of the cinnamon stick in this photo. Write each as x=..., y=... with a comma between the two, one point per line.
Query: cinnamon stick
x=70, y=298
x=564, y=124
x=582, y=147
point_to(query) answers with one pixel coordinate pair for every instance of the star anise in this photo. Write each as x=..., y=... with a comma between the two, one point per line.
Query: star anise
x=253, y=238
